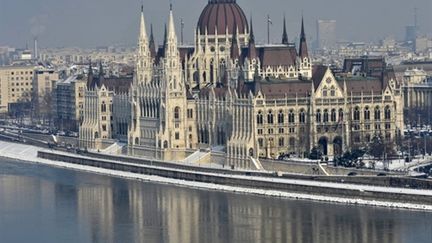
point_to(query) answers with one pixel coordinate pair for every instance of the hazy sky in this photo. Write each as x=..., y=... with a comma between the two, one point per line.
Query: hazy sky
x=90, y=23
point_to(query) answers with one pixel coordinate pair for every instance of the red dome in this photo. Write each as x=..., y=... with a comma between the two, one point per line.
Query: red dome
x=222, y=14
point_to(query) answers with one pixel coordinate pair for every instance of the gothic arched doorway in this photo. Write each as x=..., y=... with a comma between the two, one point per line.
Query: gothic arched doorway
x=337, y=146
x=323, y=145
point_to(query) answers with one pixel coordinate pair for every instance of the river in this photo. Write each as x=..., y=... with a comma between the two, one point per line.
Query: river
x=43, y=204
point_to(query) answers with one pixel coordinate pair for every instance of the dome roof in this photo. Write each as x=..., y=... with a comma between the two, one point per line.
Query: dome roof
x=222, y=14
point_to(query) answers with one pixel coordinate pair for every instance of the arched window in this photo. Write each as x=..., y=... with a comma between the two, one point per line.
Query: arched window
x=103, y=107
x=387, y=113
x=291, y=117
x=356, y=114
x=302, y=116
x=326, y=116
x=281, y=117
x=318, y=116
x=270, y=117
x=260, y=142
x=177, y=113
x=341, y=114
x=367, y=113
x=324, y=92
x=377, y=113
x=332, y=91
x=136, y=141
x=281, y=142
x=259, y=118
x=333, y=115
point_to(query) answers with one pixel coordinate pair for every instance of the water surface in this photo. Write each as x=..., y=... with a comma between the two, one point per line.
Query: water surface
x=44, y=204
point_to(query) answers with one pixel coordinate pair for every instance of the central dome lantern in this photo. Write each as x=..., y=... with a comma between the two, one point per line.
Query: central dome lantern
x=223, y=15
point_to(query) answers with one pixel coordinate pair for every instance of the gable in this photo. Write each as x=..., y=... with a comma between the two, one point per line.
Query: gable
x=328, y=87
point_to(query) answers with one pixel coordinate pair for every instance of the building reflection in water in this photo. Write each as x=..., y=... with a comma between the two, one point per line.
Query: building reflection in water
x=92, y=208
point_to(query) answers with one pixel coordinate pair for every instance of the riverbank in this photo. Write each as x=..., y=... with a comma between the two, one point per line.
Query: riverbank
x=29, y=153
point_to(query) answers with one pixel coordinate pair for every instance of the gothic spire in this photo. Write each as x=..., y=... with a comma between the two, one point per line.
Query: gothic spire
x=303, y=49
x=90, y=76
x=251, y=46
x=171, y=48
x=101, y=74
x=235, y=53
x=285, y=34
x=143, y=32
x=171, y=26
x=152, y=44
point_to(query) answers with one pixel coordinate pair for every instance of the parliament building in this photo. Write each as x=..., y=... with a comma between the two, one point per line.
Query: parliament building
x=230, y=100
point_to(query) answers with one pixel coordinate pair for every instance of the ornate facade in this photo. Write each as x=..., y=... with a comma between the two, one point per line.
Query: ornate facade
x=234, y=101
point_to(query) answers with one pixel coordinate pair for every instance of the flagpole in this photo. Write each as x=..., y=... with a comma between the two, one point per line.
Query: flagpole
x=268, y=28
x=182, y=29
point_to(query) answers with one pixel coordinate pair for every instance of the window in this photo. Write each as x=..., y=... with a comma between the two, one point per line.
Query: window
x=356, y=114
x=177, y=113
x=281, y=142
x=326, y=116
x=324, y=92
x=259, y=118
x=260, y=131
x=318, y=116
x=104, y=128
x=387, y=126
x=387, y=113
x=281, y=117
x=368, y=137
x=333, y=115
x=291, y=130
x=332, y=91
x=302, y=116
x=103, y=107
x=177, y=136
x=341, y=114
x=270, y=131
x=270, y=117
x=377, y=113
x=291, y=117
x=281, y=131
x=367, y=114
x=260, y=142
x=190, y=113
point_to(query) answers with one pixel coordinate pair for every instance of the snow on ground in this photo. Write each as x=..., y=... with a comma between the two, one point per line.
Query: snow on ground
x=29, y=153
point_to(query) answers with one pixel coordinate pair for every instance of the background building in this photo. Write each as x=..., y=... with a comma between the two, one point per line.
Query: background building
x=16, y=85
x=326, y=34
x=68, y=99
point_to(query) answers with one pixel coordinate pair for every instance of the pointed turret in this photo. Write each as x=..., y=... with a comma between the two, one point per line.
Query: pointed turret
x=90, y=77
x=144, y=59
x=171, y=39
x=303, y=49
x=143, y=32
x=284, y=34
x=235, y=50
x=101, y=75
x=152, y=44
x=251, y=46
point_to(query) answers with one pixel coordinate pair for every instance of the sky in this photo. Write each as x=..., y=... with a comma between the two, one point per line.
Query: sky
x=93, y=23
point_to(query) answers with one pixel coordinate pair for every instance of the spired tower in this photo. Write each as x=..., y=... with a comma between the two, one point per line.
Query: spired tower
x=158, y=97
x=173, y=127
x=145, y=59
